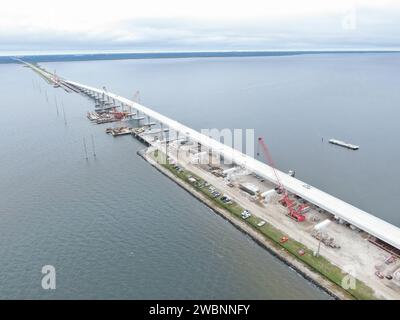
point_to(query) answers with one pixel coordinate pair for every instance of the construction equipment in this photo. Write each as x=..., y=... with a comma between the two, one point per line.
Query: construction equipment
x=118, y=114
x=293, y=213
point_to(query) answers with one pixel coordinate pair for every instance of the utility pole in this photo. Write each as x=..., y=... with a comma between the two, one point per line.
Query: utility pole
x=93, y=147
x=55, y=99
x=319, y=228
x=84, y=147
x=65, y=119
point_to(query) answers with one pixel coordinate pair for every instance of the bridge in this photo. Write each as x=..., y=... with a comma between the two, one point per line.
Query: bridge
x=367, y=222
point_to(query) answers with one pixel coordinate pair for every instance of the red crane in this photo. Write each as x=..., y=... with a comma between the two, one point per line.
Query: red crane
x=285, y=201
x=119, y=115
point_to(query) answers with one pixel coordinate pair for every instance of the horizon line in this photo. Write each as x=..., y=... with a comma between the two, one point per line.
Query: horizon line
x=25, y=53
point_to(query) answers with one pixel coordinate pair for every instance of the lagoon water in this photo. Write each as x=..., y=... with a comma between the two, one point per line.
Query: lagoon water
x=114, y=227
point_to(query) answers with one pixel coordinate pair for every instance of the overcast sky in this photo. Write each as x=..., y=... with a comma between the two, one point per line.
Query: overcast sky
x=184, y=25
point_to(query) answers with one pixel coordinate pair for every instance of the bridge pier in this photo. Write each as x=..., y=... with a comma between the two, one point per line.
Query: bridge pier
x=162, y=131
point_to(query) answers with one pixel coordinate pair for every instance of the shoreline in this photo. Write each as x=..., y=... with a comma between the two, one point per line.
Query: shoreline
x=50, y=57
x=283, y=255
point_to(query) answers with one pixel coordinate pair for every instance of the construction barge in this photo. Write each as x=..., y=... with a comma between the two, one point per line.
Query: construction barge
x=119, y=131
x=136, y=132
x=344, y=144
x=103, y=116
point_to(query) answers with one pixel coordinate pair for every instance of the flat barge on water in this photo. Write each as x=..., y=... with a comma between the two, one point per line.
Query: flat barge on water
x=344, y=144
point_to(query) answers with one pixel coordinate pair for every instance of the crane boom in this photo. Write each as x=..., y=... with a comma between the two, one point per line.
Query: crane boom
x=286, y=201
x=269, y=160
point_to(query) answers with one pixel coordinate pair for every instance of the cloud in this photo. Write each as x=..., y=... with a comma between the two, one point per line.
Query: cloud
x=347, y=27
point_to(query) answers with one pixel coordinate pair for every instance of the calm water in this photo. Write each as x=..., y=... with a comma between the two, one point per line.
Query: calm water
x=116, y=228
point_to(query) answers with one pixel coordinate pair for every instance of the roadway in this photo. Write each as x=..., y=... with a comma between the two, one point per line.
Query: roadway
x=353, y=215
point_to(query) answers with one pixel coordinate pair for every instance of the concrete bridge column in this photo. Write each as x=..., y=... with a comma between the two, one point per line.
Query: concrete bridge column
x=162, y=131
x=178, y=144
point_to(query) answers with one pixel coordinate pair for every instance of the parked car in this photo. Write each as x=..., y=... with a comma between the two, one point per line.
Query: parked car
x=246, y=214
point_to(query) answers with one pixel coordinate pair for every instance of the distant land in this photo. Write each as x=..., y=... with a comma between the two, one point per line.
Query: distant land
x=165, y=55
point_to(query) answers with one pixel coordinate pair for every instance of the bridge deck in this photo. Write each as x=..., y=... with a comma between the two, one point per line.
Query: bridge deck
x=355, y=216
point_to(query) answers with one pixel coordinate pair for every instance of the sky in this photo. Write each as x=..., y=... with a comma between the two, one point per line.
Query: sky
x=202, y=25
